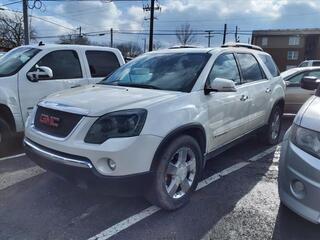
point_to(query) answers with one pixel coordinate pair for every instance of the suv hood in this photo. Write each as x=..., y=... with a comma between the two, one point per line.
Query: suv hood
x=97, y=100
x=309, y=114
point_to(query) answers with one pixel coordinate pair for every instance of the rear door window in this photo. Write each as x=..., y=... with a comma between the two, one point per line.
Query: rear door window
x=102, y=63
x=316, y=63
x=250, y=68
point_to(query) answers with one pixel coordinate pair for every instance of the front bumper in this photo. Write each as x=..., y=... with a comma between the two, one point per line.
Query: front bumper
x=81, y=172
x=299, y=181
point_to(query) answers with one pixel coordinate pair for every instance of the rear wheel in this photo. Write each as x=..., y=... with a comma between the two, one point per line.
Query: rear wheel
x=271, y=134
x=5, y=135
x=177, y=173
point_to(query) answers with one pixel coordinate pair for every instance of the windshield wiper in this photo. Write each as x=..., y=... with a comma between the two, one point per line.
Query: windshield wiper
x=138, y=85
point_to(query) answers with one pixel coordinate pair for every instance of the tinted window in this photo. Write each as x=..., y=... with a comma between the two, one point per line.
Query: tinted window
x=14, y=60
x=65, y=64
x=314, y=74
x=316, y=63
x=250, y=67
x=272, y=67
x=304, y=64
x=164, y=71
x=101, y=63
x=225, y=66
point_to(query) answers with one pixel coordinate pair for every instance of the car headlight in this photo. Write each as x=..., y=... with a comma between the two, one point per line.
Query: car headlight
x=306, y=139
x=125, y=123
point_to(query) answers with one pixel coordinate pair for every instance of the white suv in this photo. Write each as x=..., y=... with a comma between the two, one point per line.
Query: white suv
x=154, y=122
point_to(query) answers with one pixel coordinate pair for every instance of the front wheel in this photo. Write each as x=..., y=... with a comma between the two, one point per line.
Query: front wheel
x=5, y=135
x=271, y=133
x=177, y=173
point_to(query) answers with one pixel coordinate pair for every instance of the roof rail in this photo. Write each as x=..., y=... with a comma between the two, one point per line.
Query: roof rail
x=183, y=46
x=245, y=45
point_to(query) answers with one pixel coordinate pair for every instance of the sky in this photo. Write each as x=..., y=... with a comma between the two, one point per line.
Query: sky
x=128, y=17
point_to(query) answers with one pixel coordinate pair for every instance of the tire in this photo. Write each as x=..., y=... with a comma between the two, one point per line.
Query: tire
x=5, y=135
x=175, y=178
x=271, y=133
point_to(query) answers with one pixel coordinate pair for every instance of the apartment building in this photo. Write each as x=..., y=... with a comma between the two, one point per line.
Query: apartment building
x=289, y=47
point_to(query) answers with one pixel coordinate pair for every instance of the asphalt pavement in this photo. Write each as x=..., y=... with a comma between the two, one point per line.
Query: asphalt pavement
x=237, y=199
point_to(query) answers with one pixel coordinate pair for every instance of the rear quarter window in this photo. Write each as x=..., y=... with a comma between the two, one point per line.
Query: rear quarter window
x=270, y=64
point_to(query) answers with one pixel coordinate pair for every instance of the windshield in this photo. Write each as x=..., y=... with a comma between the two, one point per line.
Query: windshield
x=165, y=71
x=14, y=60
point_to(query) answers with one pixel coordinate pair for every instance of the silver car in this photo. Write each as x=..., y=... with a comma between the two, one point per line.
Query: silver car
x=299, y=167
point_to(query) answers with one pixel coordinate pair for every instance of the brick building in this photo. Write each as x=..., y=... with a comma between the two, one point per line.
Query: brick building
x=289, y=47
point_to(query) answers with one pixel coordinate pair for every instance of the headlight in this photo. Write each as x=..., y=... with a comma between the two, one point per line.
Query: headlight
x=126, y=123
x=307, y=140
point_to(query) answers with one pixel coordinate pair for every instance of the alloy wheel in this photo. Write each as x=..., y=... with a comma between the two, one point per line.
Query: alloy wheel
x=180, y=173
x=275, y=126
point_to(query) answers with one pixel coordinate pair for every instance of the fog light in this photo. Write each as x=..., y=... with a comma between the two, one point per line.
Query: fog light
x=112, y=164
x=298, y=189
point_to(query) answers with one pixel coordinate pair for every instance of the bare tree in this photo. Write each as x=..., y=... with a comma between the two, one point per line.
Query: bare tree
x=129, y=49
x=74, y=39
x=185, y=34
x=157, y=45
x=11, y=31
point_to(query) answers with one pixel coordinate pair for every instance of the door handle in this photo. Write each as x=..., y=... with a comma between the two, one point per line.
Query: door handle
x=244, y=98
x=75, y=86
x=268, y=90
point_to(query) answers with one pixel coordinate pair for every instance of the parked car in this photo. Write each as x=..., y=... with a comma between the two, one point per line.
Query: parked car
x=295, y=95
x=299, y=167
x=310, y=63
x=30, y=73
x=152, y=124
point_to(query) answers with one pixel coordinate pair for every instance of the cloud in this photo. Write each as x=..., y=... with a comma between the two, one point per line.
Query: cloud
x=201, y=14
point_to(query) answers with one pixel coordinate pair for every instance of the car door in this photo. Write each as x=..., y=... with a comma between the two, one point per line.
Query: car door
x=101, y=64
x=258, y=87
x=227, y=111
x=67, y=73
x=295, y=95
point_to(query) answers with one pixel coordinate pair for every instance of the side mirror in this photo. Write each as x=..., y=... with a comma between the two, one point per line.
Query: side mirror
x=310, y=83
x=41, y=71
x=221, y=85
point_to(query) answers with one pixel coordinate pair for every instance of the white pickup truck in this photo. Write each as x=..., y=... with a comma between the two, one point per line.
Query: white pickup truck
x=30, y=73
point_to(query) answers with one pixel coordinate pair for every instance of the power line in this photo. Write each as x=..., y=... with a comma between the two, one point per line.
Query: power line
x=10, y=3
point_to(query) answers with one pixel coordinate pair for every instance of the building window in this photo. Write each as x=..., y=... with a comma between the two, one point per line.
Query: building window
x=294, y=41
x=264, y=41
x=293, y=55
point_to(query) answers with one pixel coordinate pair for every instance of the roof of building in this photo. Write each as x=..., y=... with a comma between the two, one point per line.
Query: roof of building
x=297, y=31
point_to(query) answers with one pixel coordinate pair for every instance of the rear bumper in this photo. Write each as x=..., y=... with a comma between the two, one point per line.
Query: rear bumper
x=81, y=172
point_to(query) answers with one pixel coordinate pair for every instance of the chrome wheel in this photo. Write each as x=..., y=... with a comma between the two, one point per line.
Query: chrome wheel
x=180, y=173
x=275, y=126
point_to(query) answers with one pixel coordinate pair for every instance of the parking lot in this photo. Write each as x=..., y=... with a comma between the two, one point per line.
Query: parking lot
x=237, y=199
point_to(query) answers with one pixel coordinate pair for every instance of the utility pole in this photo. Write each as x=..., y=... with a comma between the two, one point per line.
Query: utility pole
x=151, y=8
x=151, y=26
x=111, y=37
x=80, y=31
x=236, y=35
x=224, y=33
x=209, y=37
x=25, y=22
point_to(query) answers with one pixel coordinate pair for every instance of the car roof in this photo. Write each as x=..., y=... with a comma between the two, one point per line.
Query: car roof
x=206, y=50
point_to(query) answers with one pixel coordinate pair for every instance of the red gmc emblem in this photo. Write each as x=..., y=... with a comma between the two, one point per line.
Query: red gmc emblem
x=49, y=120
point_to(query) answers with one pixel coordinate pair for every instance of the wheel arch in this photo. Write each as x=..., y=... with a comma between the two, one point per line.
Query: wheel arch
x=6, y=114
x=194, y=130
